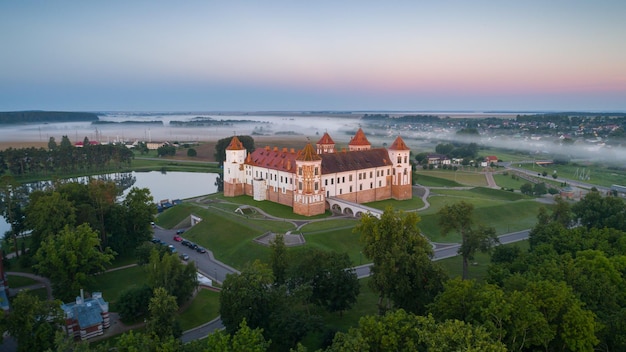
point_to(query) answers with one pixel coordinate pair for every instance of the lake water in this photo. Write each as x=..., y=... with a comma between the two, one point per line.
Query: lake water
x=170, y=185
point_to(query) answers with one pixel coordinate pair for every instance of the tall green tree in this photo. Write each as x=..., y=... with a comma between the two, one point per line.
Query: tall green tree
x=162, y=323
x=244, y=340
x=458, y=217
x=47, y=214
x=167, y=271
x=332, y=284
x=402, y=272
x=33, y=323
x=278, y=258
x=11, y=208
x=70, y=259
x=402, y=331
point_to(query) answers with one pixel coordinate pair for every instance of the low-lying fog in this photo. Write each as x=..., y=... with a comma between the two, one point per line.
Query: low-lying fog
x=340, y=127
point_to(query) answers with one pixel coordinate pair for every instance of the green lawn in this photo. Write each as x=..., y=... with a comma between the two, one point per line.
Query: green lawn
x=204, y=308
x=507, y=181
x=113, y=283
x=464, y=178
x=596, y=174
x=426, y=180
x=19, y=281
x=409, y=204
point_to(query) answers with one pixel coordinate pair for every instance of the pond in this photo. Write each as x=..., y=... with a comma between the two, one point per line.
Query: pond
x=169, y=185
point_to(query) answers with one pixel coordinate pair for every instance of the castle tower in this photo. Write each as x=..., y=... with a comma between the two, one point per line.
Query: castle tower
x=234, y=174
x=308, y=196
x=401, y=183
x=325, y=144
x=359, y=142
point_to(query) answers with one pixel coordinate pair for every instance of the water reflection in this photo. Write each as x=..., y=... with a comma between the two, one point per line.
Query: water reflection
x=162, y=186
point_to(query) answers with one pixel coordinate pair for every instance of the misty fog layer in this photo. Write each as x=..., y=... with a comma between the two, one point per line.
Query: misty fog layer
x=341, y=128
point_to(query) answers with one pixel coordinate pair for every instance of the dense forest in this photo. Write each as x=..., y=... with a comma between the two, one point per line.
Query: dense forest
x=18, y=117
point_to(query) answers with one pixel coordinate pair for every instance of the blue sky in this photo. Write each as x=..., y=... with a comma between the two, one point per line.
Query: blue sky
x=314, y=55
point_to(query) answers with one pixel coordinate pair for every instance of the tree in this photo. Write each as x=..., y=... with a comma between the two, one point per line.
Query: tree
x=33, y=322
x=540, y=189
x=137, y=212
x=70, y=258
x=278, y=258
x=134, y=302
x=333, y=286
x=244, y=340
x=191, y=152
x=52, y=144
x=163, y=309
x=402, y=271
x=46, y=215
x=167, y=271
x=597, y=211
x=458, y=217
x=526, y=188
x=248, y=296
x=11, y=207
x=402, y=331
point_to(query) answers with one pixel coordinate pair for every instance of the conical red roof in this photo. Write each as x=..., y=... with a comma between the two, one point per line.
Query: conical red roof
x=399, y=144
x=326, y=139
x=235, y=144
x=359, y=138
x=308, y=154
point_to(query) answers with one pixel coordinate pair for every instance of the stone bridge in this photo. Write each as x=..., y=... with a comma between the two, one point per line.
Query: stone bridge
x=345, y=207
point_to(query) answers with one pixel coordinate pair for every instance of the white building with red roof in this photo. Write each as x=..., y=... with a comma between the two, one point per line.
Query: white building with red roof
x=303, y=179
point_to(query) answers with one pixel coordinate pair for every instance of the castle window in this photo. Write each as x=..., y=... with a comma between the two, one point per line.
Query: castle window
x=326, y=182
x=343, y=179
x=338, y=180
x=350, y=189
x=399, y=159
x=316, y=186
x=371, y=174
x=380, y=183
x=316, y=171
x=350, y=178
x=404, y=172
x=405, y=158
x=360, y=187
x=340, y=191
x=300, y=171
x=371, y=185
x=300, y=186
x=359, y=175
x=332, y=180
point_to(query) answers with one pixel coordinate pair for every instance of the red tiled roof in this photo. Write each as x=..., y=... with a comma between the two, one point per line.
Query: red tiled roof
x=326, y=139
x=356, y=160
x=235, y=144
x=359, y=138
x=274, y=159
x=308, y=154
x=399, y=144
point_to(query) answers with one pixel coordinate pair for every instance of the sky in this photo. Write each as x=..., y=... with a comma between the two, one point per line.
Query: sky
x=141, y=55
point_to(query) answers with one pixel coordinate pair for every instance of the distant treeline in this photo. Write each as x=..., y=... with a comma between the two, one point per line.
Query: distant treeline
x=64, y=158
x=566, y=118
x=17, y=117
x=402, y=119
x=100, y=122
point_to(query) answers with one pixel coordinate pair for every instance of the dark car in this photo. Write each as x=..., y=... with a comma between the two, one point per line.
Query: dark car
x=155, y=240
x=185, y=243
x=178, y=232
x=200, y=249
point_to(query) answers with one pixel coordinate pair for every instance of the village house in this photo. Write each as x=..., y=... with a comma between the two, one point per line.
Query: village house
x=303, y=179
x=86, y=317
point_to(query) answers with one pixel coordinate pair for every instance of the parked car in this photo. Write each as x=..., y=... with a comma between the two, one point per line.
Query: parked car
x=185, y=243
x=172, y=248
x=177, y=238
x=184, y=257
x=200, y=249
x=178, y=232
x=155, y=240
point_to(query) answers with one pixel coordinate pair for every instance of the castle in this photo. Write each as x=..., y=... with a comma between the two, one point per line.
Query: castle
x=304, y=179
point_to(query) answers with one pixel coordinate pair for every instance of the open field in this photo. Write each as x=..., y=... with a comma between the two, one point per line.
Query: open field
x=465, y=178
x=591, y=173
